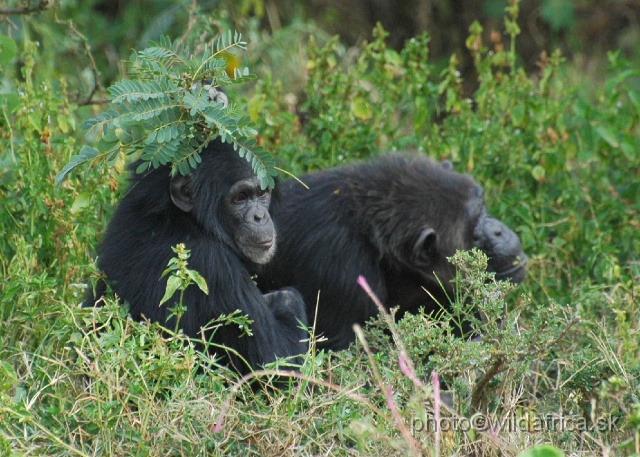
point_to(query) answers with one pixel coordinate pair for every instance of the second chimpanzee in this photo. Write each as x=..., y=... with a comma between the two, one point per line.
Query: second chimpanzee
x=394, y=221
x=222, y=215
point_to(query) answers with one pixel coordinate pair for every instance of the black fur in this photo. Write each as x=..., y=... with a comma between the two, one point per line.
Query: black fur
x=394, y=221
x=149, y=221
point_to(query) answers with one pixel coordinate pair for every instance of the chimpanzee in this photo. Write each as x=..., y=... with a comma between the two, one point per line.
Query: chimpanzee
x=222, y=215
x=395, y=221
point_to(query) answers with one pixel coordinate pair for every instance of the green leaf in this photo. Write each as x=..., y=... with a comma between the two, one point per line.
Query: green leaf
x=542, y=451
x=183, y=167
x=169, y=132
x=173, y=284
x=163, y=56
x=86, y=154
x=8, y=49
x=538, y=172
x=199, y=280
x=82, y=201
x=215, y=64
x=133, y=90
x=9, y=102
x=242, y=76
x=216, y=117
x=607, y=135
x=148, y=109
x=9, y=377
x=228, y=41
x=361, y=109
x=144, y=166
x=161, y=153
x=261, y=162
x=102, y=119
x=196, y=100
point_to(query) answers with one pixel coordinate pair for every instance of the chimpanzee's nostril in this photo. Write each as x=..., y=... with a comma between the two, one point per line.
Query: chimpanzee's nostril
x=258, y=216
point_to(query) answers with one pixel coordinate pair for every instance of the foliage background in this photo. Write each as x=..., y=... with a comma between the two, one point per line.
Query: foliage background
x=552, y=137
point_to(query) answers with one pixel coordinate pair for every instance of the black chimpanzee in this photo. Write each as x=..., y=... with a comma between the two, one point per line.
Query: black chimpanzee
x=222, y=215
x=394, y=221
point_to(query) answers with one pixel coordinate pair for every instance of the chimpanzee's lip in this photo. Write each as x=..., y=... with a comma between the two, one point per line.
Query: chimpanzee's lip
x=515, y=270
x=265, y=244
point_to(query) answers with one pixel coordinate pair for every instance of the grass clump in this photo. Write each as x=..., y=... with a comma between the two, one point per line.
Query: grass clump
x=558, y=364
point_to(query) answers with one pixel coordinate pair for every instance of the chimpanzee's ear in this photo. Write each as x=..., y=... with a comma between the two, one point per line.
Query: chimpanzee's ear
x=447, y=165
x=424, y=248
x=181, y=192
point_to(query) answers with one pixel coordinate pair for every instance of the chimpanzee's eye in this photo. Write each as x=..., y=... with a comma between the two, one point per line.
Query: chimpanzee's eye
x=239, y=198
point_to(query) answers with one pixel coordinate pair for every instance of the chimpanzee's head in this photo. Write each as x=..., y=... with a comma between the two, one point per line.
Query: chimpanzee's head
x=226, y=200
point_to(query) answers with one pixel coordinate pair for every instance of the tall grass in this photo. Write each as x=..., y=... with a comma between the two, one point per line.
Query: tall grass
x=559, y=363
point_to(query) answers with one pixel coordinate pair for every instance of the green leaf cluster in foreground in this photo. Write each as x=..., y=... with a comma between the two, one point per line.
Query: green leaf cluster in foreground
x=170, y=108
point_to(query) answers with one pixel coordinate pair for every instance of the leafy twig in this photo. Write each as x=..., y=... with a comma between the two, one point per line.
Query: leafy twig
x=169, y=109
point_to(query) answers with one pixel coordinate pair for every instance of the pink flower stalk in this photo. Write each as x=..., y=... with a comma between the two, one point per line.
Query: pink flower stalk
x=407, y=369
x=436, y=408
x=362, y=282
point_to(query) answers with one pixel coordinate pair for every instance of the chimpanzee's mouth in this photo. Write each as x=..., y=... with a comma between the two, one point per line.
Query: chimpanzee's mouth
x=516, y=272
x=264, y=244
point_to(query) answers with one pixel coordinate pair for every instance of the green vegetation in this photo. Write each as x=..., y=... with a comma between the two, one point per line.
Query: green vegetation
x=168, y=112
x=558, y=367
